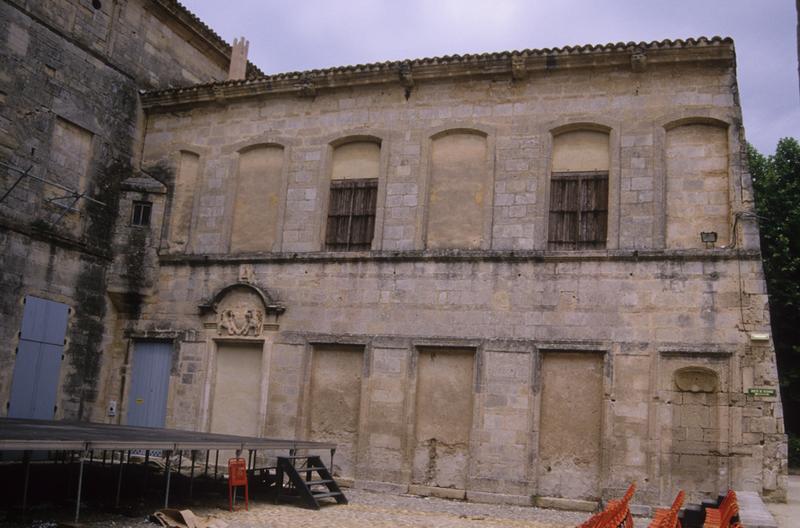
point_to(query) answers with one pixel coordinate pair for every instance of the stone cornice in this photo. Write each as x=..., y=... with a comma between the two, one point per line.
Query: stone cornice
x=514, y=64
x=461, y=256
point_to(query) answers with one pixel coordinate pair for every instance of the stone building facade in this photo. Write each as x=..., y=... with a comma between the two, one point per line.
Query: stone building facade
x=71, y=128
x=513, y=277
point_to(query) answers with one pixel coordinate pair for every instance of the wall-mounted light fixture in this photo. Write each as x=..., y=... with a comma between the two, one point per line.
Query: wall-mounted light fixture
x=708, y=238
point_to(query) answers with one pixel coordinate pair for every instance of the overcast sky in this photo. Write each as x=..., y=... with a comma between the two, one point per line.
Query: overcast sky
x=306, y=34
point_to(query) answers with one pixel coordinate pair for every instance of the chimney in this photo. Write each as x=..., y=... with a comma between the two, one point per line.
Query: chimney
x=238, y=66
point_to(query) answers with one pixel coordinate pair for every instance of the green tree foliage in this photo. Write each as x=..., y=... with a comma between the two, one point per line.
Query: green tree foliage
x=776, y=181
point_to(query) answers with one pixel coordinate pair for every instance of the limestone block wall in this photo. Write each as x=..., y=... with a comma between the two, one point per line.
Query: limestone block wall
x=334, y=401
x=392, y=316
x=642, y=114
x=154, y=41
x=443, y=410
x=50, y=271
x=464, y=344
x=69, y=81
x=51, y=125
x=698, y=194
x=70, y=118
x=459, y=193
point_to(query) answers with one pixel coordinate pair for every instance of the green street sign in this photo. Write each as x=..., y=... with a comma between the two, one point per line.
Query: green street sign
x=761, y=391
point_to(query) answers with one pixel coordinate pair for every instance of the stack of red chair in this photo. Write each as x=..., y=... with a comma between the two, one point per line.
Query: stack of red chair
x=722, y=517
x=668, y=517
x=617, y=513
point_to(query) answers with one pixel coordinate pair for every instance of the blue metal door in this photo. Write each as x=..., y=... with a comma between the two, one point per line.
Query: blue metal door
x=147, y=398
x=38, y=362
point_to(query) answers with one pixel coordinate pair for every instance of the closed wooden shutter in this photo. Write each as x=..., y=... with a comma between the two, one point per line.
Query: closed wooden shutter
x=593, y=211
x=37, y=367
x=351, y=215
x=578, y=211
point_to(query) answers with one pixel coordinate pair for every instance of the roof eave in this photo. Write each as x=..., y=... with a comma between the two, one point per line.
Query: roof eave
x=303, y=83
x=205, y=39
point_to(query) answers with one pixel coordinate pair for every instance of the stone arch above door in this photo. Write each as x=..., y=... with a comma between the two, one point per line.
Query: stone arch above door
x=241, y=310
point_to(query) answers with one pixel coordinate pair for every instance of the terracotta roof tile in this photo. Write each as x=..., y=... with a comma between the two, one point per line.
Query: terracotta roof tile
x=612, y=47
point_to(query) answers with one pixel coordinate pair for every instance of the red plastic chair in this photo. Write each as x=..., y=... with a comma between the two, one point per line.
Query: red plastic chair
x=617, y=513
x=722, y=517
x=668, y=517
x=237, y=477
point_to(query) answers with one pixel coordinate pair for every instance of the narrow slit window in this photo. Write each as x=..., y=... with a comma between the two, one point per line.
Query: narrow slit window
x=140, y=216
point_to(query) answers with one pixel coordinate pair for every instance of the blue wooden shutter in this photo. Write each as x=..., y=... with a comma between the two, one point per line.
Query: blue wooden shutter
x=38, y=362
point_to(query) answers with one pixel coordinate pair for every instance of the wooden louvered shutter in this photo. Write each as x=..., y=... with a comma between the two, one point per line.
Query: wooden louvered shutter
x=578, y=211
x=593, y=211
x=351, y=215
x=562, y=232
x=362, y=223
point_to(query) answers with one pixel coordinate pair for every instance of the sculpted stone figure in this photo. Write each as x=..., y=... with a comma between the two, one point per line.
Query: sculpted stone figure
x=229, y=324
x=253, y=322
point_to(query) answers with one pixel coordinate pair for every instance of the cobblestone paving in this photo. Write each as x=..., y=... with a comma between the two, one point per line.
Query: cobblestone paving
x=367, y=510
x=383, y=510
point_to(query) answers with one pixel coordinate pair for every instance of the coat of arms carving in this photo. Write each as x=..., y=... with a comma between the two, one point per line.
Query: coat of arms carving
x=241, y=310
x=240, y=321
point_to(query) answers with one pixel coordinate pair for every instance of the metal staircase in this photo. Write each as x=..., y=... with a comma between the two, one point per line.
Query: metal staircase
x=306, y=480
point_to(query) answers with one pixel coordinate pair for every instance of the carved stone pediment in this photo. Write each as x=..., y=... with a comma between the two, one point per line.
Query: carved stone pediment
x=241, y=310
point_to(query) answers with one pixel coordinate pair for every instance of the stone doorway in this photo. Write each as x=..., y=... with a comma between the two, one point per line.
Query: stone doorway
x=571, y=424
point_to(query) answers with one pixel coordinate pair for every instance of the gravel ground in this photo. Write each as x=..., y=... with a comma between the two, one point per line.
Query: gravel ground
x=366, y=509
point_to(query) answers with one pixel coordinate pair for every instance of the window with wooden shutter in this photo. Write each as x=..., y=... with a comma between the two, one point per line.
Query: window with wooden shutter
x=579, y=190
x=353, y=196
x=578, y=210
x=351, y=215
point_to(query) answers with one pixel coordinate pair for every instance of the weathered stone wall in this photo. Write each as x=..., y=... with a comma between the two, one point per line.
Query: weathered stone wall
x=698, y=194
x=69, y=82
x=460, y=192
x=509, y=314
x=630, y=320
x=51, y=127
x=519, y=119
x=142, y=38
x=571, y=410
x=334, y=402
x=258, y=195
x=442, y=417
